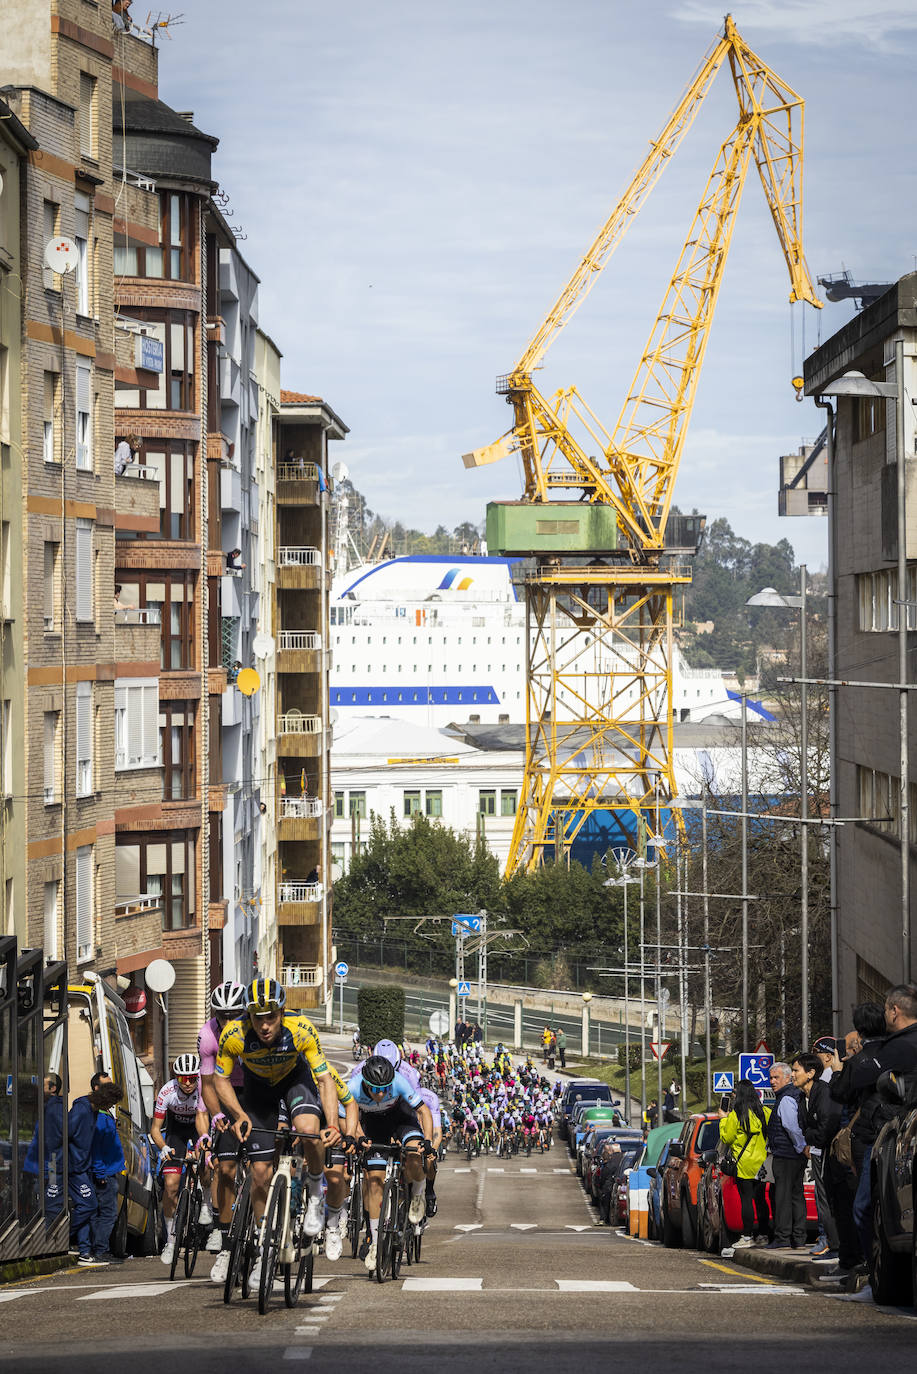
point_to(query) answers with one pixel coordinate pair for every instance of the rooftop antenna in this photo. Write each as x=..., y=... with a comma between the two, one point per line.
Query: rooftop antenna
x=162, y=23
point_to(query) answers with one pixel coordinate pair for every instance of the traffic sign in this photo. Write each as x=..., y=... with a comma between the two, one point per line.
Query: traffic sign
x=762, y=1047
x=341, y=969
x=464, y=990
x=465, y=923
x=439, y=1023
x=659, y=1048
x=756, y=1068
x=723, y=1082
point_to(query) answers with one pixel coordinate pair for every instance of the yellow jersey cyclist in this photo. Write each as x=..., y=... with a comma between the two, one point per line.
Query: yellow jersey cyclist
x=286, y=1078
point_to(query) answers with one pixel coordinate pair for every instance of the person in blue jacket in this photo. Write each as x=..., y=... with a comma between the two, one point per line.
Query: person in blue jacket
x=81, y=1124
x=54, y=1138
x=107, y=1163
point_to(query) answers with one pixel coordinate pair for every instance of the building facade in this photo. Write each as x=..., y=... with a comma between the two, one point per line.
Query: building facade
x=864, y=584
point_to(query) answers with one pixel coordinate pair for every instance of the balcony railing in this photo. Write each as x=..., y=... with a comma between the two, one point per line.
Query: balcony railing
x=140, y=615
x=133, y=906
x=300, y=808
x=298, y=556
x=299, y=639
x=300, y=892
x=295, y=723
x=297, y=472
x=140, y=470
x=302, y=975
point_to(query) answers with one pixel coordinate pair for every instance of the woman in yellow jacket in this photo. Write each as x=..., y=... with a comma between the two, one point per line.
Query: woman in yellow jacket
x=744, y=1128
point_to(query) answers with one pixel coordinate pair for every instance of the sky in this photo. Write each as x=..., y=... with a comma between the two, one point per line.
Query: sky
x=417, y=182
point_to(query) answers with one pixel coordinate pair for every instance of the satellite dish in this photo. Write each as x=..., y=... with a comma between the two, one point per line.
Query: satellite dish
x=61, y=255
x=263, y=646
x=340, y=472
x=248, y=682
x=333, y=716
x=159, y=975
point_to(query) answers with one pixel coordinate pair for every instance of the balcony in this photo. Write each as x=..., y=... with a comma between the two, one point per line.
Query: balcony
x=304, y=984
x=297, y=484
x=299, y=568
x=134, y=906
x=299, y=903
x=299, y=651
x=138, y=635
x=299, y=736
x=137, y=500
x=299, y=818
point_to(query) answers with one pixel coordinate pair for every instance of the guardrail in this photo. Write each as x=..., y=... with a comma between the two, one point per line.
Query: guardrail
x=139, y=615
x=132, y=906
x=299, y=892
x=297, y=472
x=299, y=639
x=298, y=556
x=300, y=808
x=295, y=723
x=302, y=975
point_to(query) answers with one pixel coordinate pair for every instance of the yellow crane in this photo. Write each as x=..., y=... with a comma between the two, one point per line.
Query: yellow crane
x=600, y=599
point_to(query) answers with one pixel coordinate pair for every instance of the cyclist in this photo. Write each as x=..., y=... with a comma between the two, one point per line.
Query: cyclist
x=285, y=1077
x=226, y=1003
x=180, y=1126
x=390, y=1109
x=389, y=1050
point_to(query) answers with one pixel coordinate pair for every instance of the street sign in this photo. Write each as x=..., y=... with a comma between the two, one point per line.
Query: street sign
x=439, y=1023
x=341, y=969
x=659, y=1048
x=467, y=923
x=464, y=990
x=756, y=1068
x=723, y=1082
x=762, y=1047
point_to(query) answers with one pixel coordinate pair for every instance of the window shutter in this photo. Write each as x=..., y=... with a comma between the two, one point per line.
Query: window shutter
x=84, y=570
x=151, y=725
x=83, y=417
x=83, y=739
x=50, y=738
x=135, y=726
x=84, y=902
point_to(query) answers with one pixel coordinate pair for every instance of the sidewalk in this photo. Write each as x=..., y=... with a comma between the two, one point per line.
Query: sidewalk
x=791, y=1266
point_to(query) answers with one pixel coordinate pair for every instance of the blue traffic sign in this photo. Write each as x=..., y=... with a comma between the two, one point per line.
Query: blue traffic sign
x=470, y=923
x=756, y=1067
x=464, y=989
x=723, y=1082
x=341, y=969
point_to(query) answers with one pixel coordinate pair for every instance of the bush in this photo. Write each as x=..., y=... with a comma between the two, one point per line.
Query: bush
x=634, y=1057
x=380, y=1014
x=696, y=1083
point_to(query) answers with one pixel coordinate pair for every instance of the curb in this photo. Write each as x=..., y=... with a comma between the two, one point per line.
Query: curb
x=788, y=1267
x=16, y=1270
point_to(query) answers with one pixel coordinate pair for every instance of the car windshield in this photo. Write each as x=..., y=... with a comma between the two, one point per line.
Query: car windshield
x=708, y=1137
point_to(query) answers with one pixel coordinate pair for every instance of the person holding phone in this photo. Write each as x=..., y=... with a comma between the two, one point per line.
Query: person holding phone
x=744, y=1128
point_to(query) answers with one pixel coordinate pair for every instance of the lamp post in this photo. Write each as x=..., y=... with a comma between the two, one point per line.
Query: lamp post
x=587, y=998
x=453, y=1008
x=624, y=881
x=770, y=597
x=690, y=804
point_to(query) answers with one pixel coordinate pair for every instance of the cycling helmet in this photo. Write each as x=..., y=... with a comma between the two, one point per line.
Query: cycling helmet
x=229, y=996
x=387, y=1049
x=264, y=996
x=187, y=1065
x=378, y=1072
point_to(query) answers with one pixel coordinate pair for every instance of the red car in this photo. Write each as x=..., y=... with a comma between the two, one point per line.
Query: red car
x=719, y=1208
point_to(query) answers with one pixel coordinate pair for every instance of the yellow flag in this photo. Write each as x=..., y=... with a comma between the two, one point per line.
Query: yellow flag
x=302, y=782
x=283, y=784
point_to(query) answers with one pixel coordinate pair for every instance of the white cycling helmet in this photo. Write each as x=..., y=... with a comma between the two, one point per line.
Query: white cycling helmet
x=228, y=996
x=187, y=1065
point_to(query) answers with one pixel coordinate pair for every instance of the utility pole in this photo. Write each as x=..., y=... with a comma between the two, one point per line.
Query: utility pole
x=482, y=973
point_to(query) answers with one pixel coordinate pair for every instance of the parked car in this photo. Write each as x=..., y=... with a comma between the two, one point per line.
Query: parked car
x=609, y=1175
x=719, y=1207
x=654, y=1198
x=593, y=1150
x=578, y=1091
x=893, y=1262
x=590, y=1121
x=683, y=1170
x=579, y=1111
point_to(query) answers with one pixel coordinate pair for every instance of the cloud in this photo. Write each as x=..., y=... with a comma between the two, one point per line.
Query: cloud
x=823, y=22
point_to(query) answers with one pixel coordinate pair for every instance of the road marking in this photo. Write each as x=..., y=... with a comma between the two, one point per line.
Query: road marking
x=469, y=1226
x=528, y=1171
x=329, y=1297
x=462, y=1171
x=442, y=1285
x=323, y=1283
x=491, y=1170
x=561, y=1171
x=10, y=1294
x=738, y=1273
x=523, y=1225
x=298, y=1352
x=577, y=1228
x=595, y=1286
x=746, y=1288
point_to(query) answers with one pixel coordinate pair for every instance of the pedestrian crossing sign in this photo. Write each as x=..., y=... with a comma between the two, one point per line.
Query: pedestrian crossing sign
x=723, y=1082
x=464, y=989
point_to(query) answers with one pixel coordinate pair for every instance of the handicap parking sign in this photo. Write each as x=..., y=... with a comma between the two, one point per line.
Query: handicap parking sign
x=723, y=1082
x=756, y=1067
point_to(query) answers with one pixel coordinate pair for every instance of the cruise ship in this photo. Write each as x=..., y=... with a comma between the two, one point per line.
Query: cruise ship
x=440, y=638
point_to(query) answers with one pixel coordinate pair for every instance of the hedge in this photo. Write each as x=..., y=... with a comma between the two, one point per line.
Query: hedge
x=380, y=1014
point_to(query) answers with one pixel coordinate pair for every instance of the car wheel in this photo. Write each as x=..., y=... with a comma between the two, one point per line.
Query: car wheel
x=701, y=1220
x=671, y=1235
x=651, y=1225
x=709, y=1231
x=688, y=1221
x=890, y=1272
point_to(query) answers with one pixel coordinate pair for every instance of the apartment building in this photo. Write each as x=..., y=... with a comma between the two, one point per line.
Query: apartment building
x=872, y=953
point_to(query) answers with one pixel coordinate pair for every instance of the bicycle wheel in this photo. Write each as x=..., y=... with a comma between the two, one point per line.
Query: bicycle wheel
x=275, y=1219
x=355, y=1216
x=402, y=1226
x=238, y=1238
x=193, y=1235
x=178, y=1234
x=295, y=1274
x=249, y=1254
x=385, y=1236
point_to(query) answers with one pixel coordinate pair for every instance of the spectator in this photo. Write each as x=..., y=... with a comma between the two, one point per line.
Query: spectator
x=107, y=1163
x=121, y=605
x=652, y=1114
x=478, y=1034
x=54, y=1137
x=562, y=1046
x=807, y=1071
x=81, y=1124
x=545, y=1043
x=821, y=1121
x=126, y=453
x=232, y=560
x=744, y=1128
x=787, y=1145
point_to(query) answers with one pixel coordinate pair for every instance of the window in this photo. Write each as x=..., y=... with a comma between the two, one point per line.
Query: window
x=339, y=806
x=84, y=571
x=51, y=585
x=175, y=387
x=137, y=724
x=6, y=748
x=358, y=805
x=508, y=802
x=81, y=239
x=877, y=595
x=412, y=803
x=84, y=418
x=6, y=600
x=487, y=802
x=87, y=115
x=338, y=851
x=434, y=803
x=50, y=411
x=51, y=738
x=50, y=229
x=50, y=940
x=84, y=903
x=4, y=394
x=868, y=417
x=176, y=723
x=84, y=739
x=174, y=468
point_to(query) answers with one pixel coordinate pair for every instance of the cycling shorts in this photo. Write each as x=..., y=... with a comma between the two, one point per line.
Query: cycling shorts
x=225, y=1143
x=181, y=1137
x=383, y=1127
x=278, y=1104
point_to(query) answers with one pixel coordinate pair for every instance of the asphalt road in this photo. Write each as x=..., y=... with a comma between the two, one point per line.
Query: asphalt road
x=515, y=1273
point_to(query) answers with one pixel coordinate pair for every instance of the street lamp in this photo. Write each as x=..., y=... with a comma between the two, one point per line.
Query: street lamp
x=453, y=1005
x=771, y=597
x=624, y=881
x=587, y=998
x=691, y=804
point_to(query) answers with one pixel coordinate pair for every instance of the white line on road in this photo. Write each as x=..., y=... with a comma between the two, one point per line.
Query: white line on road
x=466, y=1170
x=528, y=1171
x=298, y=1352
x=329, y=1297
x=469, y=1226
x=492, y=1170
x=136, y=1290
x=561, y=1171
x=577, y=1228
x=595, y=1286
x=442, y=1285
x=523, y=1225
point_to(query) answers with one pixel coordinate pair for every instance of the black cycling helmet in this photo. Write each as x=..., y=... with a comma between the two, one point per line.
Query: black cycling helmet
x=378, y=1072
